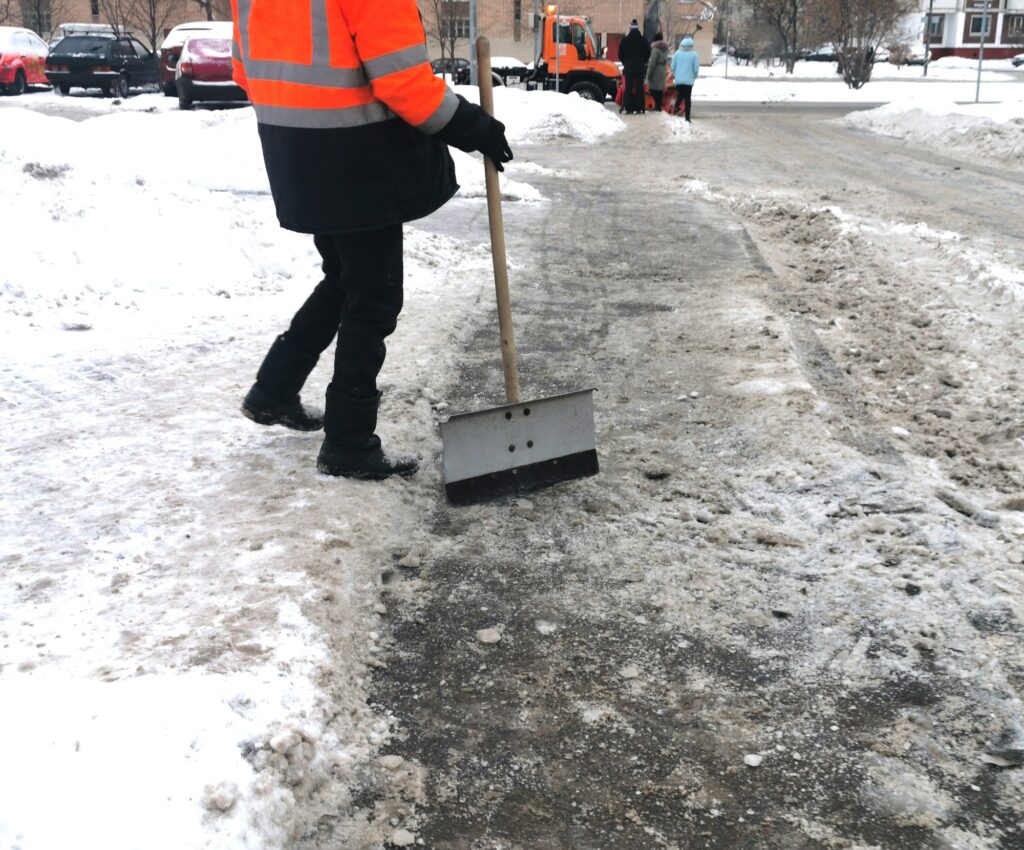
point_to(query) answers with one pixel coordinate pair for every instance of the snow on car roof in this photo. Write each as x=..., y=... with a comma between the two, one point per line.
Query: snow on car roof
x=507, y=62
x=176, y=37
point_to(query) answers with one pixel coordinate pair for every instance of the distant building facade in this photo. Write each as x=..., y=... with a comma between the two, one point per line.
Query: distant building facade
x=957, y=27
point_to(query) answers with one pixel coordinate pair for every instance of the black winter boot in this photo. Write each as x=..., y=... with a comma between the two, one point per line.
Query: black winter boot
x=261, y=408
x=350, y=447
x=274, y=398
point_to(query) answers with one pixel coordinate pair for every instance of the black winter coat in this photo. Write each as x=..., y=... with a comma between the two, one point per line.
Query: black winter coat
x=634, y=52
x=355, y=179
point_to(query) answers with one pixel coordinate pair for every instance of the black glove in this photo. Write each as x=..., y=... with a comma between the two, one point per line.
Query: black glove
x=471, y=129
x=496, y=146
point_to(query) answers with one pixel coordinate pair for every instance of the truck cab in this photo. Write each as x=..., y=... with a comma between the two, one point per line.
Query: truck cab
x=567, y=58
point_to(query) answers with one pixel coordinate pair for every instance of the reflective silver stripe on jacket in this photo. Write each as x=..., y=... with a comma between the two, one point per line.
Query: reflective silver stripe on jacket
x=243, y=27
x=311, y=75
x=323, y=119
x=399, y=60
x=443, y=114
x=321, y=35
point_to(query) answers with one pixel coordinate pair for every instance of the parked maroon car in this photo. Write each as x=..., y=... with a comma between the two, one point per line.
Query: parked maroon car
x=170, y=49
x=204, y=72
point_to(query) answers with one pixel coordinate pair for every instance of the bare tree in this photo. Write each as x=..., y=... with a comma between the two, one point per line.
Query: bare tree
x=214, y=10
x=117, y=13
x=42, y=16
x=447, y=24
x=206, y=7
x=857, y=28
x=6, y=11
x=149, y=18
x=786, y=18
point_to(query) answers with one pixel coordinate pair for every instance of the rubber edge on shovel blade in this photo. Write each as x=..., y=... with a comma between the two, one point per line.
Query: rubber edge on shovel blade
x=522, y=479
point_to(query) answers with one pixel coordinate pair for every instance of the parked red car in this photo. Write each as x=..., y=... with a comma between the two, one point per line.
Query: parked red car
x=22, y=60
x=170, y=50
x=204, y=72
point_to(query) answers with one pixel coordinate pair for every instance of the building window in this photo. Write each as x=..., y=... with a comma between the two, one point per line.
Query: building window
x=935, y=26
x=981, y=23
x=454, y=19
x=94, y=8
x=517, y=19
x=1014, y=33
x=456, y=28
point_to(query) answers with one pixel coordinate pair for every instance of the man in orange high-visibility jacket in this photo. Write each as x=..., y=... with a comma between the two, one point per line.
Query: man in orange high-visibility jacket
x=354, y=127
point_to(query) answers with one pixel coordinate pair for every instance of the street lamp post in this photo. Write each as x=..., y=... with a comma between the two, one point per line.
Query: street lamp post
x=553, y=11
x=928, y=36
x=474, y=79
x=981, y=51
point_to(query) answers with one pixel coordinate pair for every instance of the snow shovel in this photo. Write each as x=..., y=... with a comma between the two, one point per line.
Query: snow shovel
x=521, y=445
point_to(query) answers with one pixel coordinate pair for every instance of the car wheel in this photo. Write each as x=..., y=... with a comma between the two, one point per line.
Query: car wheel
x=122, y=86
x=63, y=88
x=588, y=91
x=19, y=84
x=184, y=102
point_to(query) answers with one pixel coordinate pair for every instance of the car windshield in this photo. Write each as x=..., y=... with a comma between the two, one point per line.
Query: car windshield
x=77, y=44
x=209, y=48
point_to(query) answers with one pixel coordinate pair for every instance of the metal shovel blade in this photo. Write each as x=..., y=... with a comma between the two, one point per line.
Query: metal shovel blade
x=516, y=448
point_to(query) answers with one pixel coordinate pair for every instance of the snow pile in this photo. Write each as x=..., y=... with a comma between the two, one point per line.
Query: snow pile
x=985, y=269
x=544, y=116
x=994, y=131
x=683, y=132
x=948, y=69
x=184, y=206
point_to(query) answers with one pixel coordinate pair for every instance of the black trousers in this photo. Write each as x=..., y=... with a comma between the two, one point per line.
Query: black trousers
x=633, y=96
x=684, y=92
x=657, y=95
x=358, y=300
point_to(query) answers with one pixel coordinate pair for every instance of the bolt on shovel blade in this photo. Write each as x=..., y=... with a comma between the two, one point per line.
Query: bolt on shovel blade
x=516, y=448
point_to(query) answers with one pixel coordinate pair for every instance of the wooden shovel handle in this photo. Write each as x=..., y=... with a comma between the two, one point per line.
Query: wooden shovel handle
x=508, y=341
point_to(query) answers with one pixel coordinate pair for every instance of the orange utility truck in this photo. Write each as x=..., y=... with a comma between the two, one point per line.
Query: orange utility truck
x=568, y=59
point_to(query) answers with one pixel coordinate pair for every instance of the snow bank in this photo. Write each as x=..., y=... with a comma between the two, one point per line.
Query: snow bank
x=545, y=116
x=991, y=130
x=949, y=69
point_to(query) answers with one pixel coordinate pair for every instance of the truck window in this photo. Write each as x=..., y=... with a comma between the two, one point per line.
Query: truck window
x=579, y=38
x=563, y=33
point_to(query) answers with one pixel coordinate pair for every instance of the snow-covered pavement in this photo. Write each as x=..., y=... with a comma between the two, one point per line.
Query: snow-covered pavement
x=190, y=615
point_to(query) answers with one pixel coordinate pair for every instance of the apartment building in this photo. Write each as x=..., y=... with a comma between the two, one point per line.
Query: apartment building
x=957, y=27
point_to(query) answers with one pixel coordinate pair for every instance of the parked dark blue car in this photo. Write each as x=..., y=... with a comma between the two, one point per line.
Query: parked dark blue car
x=112, y=64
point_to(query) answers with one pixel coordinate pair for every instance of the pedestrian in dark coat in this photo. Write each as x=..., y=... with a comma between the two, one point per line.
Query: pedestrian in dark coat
x=355, y=144
x=634, y=51
x=656, y=73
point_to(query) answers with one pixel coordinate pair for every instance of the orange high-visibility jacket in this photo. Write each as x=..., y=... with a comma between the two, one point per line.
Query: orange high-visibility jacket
x=337, y=86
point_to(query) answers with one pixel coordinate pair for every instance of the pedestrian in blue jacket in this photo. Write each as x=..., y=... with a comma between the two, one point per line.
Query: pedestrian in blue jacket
x=685, y=69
